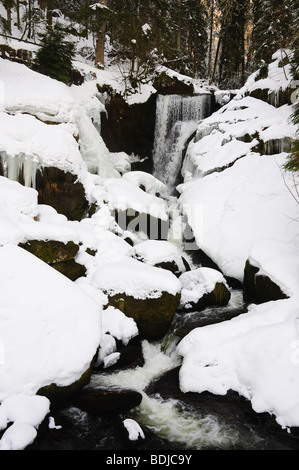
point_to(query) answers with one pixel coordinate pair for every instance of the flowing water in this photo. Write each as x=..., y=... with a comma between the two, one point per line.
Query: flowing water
x=171, y=420
x=177, y=117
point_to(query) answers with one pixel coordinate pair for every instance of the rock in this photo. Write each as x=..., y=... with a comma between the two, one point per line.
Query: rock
x=51, y=251
x=153, y=316
x=259, y=288
x=100, y=401
x=60, y=396
x=131, y=356
x=203, y=287
x=136, y=222
x=161, y=254
x=170, y=85
x=129, y=128
x=70, y=269
x=62, y=191
x=57, y=254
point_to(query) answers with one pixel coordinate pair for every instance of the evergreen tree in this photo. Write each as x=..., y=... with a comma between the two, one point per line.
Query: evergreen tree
x=231, y=49
x=293, y=159
x=56, y=54
x=5, y=23
x=272, y=22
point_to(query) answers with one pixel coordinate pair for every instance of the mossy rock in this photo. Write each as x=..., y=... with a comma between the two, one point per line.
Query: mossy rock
x=260, y=94
x=51, y=251
x=220, y=296
x=259, y=288
x=59, y=396
x=71, y=269
x=153, y=316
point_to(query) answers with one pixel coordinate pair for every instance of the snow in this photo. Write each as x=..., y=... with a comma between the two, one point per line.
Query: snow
x=118, y=325
x=123, y=195
x=240, y=205
x=198, y=282
x=50, y=101
x=246, y=211
x=256, y=353
x=249, y=212
x=157, y=251
x=134, y=278
x=133, y=428
x=219, y=138
x=44, y=342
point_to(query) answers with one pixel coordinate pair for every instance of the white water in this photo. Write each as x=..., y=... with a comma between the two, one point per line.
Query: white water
x=169, y=419
x=177, y=118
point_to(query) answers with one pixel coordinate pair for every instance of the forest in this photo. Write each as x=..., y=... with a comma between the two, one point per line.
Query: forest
x=149, y=250
x=220, y=41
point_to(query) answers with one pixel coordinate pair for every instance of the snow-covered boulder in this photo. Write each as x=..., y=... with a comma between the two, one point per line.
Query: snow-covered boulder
x=203, y=287
x=160, y=253
x=268, y=264
x=256, y=353
x=50, y=329
x=148, y=294
x=136, y=210
x=246, y=202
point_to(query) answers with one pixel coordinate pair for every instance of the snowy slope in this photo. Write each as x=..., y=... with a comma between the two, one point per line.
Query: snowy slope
x=249, y=211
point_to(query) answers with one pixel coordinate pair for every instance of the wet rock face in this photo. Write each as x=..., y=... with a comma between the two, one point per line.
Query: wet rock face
x=153, y=316
x=62, y=191
x=129, y=128
x=259, y=288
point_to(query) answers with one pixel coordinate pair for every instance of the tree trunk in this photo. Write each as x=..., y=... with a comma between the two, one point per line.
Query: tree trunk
x=100, y=45
x=211, y=39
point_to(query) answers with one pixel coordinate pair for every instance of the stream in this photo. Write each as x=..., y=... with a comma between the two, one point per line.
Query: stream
x=171, y=420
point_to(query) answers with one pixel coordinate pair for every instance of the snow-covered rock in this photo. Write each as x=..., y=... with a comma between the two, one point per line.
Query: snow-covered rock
x=160, y=253
x=202, y=287
x=238, y=206
x=50, y=329
x=256, y=353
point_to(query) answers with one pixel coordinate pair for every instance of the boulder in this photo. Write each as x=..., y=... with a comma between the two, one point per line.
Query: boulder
x=59, y=255
x=203, y=287
x=63, y=191
x=258, y=287
x=102, y=401
x=153, y=316
x=170, y=85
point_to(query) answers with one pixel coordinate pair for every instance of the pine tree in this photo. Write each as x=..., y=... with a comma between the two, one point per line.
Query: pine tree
x=272, y=20
x=56, y=54
x=293, y=159
x=231, y=50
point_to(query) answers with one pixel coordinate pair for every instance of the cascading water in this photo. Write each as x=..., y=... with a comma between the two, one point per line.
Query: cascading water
x=176, y=120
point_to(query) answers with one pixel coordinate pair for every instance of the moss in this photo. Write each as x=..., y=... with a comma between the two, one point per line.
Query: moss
x=153, y=316
x=70, y=269
x=260, y=94
x=51, y=251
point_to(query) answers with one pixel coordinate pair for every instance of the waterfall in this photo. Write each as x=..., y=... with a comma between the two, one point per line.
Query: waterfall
x=177, y=117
